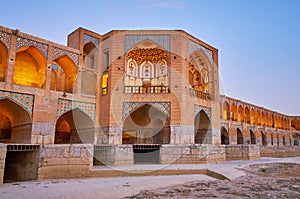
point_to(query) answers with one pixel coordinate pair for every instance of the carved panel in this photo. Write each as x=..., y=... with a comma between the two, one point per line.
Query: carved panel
x=22, y=42
x=5, y=38
x=132, y=40
x=57, y=52
x=198, y=108
x=128, y=107
x=25, y=100
x=67, y=105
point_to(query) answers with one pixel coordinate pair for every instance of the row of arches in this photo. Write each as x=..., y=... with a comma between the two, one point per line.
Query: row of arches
x=255, y=138
x=145, y=125
x=148, y=125
x=74, y=126
x=31, y=65
x=253, y=116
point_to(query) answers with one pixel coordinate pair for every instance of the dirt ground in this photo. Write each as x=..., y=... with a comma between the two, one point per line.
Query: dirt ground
x=271, y=180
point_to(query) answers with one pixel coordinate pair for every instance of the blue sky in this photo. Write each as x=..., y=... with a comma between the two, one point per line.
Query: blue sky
x=258, y=40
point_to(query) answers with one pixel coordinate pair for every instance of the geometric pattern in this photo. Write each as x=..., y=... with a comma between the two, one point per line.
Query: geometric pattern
x=131, y=40
x=193, y=46
x=67, y=105
x=198, y=108
x=25, y=100
x=22, y=42
x=5, y=38
x=57, y=52
x=128, y=107
x=88, y=38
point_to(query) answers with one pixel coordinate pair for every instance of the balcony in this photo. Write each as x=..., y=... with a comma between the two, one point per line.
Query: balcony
x=200, y=94
x=146, y=89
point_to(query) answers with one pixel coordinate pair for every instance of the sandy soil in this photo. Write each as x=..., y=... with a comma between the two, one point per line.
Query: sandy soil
x=272, y=180
x=258, y=180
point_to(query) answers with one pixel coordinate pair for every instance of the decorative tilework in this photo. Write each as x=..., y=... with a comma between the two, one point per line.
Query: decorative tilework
x=198, y=108
x=57, y=52
x=5, y=38
x=67, y=105
x=25, y=100
x=88, y=38
x=22, y=42
x=193, y=46
x=132, y=40
x=128, y=107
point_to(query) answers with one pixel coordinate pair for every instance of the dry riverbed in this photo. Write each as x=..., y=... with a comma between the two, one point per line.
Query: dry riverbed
x=272, y=180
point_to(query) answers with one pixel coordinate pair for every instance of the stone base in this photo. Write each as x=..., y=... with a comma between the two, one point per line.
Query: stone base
x=114, y=155
x=191, y=154
x=279, y=151
x=242, y=152
x=64, y=171
x=65, y=160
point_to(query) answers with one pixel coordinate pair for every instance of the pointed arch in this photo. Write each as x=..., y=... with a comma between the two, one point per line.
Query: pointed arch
x=239, y=136
x=252, y=116
x=295, y=124
x=66, y=74
x=247, y=114
x=283, y=140
x=74, y=126
x=146, y=125
x=200, y=71
x=90, y=55
x=240, y=113
x=272, y=139
x=263, y=138
x=263, y=119
x=202, y=128
x=224, y=136
x=233, y=112
x=16, y=122
x=252, y=137
x=267, y=123
x=258, y=118
x=30, y=67
x=3, y=61
x=146, y=68
x=226, y=111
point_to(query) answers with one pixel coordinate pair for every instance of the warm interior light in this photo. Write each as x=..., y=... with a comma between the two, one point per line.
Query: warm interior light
x=30, y=68
x=104, y=84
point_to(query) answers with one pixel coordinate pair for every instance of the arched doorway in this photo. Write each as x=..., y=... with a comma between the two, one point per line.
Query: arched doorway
x=15, y=123
x=296, y=137
x=240, y=138
x=15, y=128
x=30, y=67
x=146, y=128
x=240, y=113
x=226, y=111
x=283, y=140
x=233, y=112
x=63, y=75
x=146, y=125
x=146, y=68
x=73, y=127
x=252, y=137
x=224, y=136
x=202, y=128
x=263, y=139
x=272, y=140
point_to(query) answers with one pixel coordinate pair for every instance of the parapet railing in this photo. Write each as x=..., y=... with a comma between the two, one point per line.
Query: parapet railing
x=200, y=94
x=146, y=89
